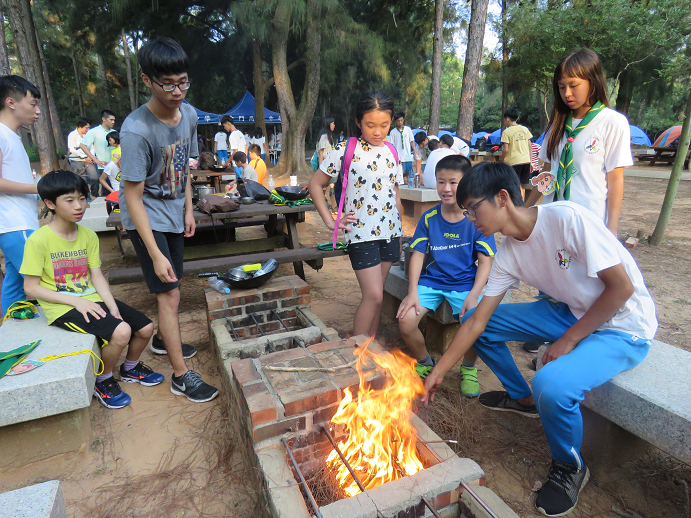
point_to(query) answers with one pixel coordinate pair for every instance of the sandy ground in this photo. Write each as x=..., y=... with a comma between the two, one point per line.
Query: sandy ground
x=165, y=457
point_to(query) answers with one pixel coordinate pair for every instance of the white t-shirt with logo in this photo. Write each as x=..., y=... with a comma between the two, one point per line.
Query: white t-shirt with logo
x=429, y=177
x=603, y=145
x=460, y=147
x=17, y=211
x=568, y=246
x=113, y=172
x=401, y=140
x=221, y=139
x=237, y=142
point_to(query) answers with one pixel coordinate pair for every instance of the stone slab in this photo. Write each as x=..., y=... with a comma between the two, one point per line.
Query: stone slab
x=95, y=216
x=57, y=386
x=471, y=509
x=419, y=194
x=285, y=499
x=654, y=392
x=38, y=501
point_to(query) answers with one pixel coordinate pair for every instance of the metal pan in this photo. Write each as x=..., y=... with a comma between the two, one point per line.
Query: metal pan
x=293, y=193
x=239, y=279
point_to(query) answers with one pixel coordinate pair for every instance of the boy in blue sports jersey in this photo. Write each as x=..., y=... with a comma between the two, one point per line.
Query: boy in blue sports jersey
x=450, y=272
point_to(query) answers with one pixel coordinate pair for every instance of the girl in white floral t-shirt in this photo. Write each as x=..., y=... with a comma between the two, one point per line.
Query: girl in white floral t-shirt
x=371, y=213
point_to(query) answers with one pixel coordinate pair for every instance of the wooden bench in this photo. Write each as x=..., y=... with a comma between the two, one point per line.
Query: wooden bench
x=310, y=255
x=666, y=155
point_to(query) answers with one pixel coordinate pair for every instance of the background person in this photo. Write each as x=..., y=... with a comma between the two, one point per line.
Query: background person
x=401, y=136
x=76, y=156
x=515, y=150
x=97, y=138
x=221, y=146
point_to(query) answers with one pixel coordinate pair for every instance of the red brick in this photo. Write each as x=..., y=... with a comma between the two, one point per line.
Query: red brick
x=214, y=300
x=301, y=287
x=328, y=346
x=262, y=408
x=261, y=433
x=287, y=314
x=444, y=499
x=215, y=315
x=348, y=379
x=330, y=359
x=281, y=379
x=242, y=297
x=310, y=396
x=295, y=301
x=282, y=356
x=281, y=291
x=233, y=312
x=289, y=278
x=244, y=371
x=324, y=415
x=262, y=306
x=252, y=389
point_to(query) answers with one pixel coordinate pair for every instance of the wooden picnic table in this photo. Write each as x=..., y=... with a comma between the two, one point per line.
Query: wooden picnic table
x=213, y=176
x=226, y=253
x=665, y=154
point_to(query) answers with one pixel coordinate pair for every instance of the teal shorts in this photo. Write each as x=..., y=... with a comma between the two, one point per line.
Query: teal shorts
x=431, y=298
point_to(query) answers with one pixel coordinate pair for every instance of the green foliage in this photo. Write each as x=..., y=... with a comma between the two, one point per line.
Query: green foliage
x=32, y=151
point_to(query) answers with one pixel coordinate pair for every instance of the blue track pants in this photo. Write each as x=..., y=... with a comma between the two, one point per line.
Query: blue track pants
x=560, y=385
x=12, y=246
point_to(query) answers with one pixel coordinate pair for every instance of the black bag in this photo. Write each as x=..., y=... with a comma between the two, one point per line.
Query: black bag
x=252, y=189
x=481, y=144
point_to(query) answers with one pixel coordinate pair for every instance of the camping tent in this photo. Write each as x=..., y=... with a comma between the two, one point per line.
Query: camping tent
x=205, y=117
x=477, y=136
x=668, y=136
x=639, y=137
x=494, y=139
x=243, y=112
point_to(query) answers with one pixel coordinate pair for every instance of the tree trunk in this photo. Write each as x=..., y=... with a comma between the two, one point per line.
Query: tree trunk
x=471, y=71
x=60, y=142
x=104, y=81
x=641, y=108
x=77, y=82
x=504, y=62
x=258, y=87
x=128, y=65
x=625, y=91
x=435, y=87
x=4, y=56
x=24, y=32
x=296, y=120
x=673, y=184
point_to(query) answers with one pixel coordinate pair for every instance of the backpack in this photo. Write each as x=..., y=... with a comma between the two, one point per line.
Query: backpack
x=315, y=161
x=345, y=167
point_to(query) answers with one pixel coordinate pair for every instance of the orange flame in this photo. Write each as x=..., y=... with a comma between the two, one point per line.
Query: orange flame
x=380, y=441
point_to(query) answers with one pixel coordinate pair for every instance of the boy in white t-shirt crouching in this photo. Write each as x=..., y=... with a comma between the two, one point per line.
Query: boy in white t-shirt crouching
x=602, y=326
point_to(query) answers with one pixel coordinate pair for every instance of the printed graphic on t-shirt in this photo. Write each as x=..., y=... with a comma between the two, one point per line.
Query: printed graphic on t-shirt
x=592, y=145
x=563, y=259
x=71, y=272
x=174, y=170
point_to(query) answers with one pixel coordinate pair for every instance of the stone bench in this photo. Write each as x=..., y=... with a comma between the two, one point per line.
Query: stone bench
x=417, y=200
x=38, y=501
x=44, y=412
x=651, y=401
x=440, y=325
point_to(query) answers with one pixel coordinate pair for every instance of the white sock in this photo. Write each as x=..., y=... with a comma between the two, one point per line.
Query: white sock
x=103, y=377
x=129, y=365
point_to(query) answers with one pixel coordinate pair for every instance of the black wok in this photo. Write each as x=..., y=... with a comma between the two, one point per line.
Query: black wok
x=293, y=193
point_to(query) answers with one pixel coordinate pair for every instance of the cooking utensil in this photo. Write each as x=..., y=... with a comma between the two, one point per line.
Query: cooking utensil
x=247, y=200
x=293, y=193
x=237, y=278
x=217, y=168
x=204, y=190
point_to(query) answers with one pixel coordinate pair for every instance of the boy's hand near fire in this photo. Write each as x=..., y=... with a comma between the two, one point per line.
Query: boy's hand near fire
x=432, y=383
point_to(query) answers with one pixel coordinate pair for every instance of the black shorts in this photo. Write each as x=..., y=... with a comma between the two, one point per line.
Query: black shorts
x=372, y=253
x=102, y=327
x=523, y=172
x=172, y=245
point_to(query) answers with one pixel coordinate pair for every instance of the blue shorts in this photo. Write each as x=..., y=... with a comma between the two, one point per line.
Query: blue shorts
x=431, y=298
x=407, y=167
x=222, y=155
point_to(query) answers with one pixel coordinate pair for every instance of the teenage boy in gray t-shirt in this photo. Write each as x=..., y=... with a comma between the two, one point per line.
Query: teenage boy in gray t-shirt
x=155, y=200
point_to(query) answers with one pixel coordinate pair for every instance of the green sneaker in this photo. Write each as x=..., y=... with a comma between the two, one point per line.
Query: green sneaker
x=469, y=385
x=423, y=370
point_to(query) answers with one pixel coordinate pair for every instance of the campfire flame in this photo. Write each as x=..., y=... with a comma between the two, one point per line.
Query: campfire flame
x=381, y=443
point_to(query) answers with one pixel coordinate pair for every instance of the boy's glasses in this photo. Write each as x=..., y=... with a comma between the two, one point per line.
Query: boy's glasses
x=471, y=210
x=169, y=87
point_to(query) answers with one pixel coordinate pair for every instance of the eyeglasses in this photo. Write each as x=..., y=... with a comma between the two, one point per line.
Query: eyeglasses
x=169, y=87
x=471, y=210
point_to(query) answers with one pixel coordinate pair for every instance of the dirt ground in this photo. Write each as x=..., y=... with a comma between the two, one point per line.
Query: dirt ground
x=165, y=457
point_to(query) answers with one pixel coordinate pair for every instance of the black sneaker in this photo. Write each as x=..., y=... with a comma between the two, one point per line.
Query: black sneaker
x=191, y=385
x=500, y=400
x=531, y=347
x=158, y=347
x=559, y=495
x=110, y=395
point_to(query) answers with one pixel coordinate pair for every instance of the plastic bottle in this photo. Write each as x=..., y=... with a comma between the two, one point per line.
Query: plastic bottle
x=293, y=180
x=269, y=265
x=218, y=285
x=411, y=180
x=271, y=183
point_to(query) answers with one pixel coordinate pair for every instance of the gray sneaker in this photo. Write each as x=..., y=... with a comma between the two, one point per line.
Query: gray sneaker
x=193, y=388
x=559, y=495
x=158, y=347
x=500, y=400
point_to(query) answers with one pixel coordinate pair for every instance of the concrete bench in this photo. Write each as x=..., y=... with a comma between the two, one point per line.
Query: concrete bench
x=44, y=412
x=651, y=401
x=38, y=501
x=417, y=200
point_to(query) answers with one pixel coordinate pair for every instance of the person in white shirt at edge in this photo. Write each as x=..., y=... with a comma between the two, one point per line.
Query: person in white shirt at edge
x=439, y=149
x=97, y=138
x=420, y=157
x=600, y=147
x=236, y=142
x=18, y=192
x=602, y=325
x=260, y=140
x=460, y=147
x=75, y=155
x=402, y=139
x=221, y=146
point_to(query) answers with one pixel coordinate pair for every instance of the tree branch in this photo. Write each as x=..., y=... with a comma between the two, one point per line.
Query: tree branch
x=268, y=84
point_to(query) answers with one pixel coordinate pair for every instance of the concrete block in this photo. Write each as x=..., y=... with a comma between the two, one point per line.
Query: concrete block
x=57, y=386
x=96, y=215
x=38, y=501
x=470, y=508
x=285, y=499
x=358, y=506
x=419, y=194
x=40, y=439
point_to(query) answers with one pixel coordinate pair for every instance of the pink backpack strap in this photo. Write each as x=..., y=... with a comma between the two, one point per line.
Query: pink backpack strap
x=393, y=150
x=347, y=159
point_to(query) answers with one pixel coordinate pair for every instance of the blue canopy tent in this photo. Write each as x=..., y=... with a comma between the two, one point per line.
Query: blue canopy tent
x=243, y=112
x=476, y=136
x=494, y=138
x=418, y=130
x=205, y=117
x=638, y=136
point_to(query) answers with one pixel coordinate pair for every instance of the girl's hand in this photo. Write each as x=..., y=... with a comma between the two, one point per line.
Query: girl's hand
x=470, y=302
x=411, y=301
x=347, y=218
